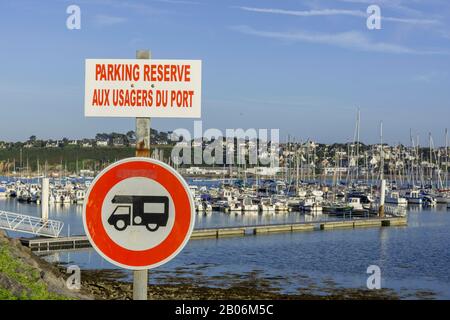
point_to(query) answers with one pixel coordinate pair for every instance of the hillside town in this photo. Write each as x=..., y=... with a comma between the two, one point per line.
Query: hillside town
x=308, y=160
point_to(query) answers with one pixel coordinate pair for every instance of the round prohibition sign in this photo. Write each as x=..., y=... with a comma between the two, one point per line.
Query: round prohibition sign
x=138, y=213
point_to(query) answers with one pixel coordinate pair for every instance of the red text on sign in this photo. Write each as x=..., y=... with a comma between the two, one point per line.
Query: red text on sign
x=167, y=73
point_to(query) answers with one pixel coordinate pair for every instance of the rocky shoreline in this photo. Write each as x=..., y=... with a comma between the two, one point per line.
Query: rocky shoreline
x=110, y=284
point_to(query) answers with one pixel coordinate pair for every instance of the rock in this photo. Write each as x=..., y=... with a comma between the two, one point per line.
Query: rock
x=12, y=286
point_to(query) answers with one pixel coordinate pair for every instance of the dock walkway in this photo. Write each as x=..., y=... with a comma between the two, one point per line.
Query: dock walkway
x=44, y=244
x=30, y=224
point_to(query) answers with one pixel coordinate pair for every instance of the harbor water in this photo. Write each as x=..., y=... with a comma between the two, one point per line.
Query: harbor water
x=413, y=260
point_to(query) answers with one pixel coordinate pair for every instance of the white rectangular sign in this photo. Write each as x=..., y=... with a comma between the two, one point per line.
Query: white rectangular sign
x=143, y=88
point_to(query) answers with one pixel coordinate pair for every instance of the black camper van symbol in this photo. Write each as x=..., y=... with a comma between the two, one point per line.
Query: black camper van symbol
x=149, y=211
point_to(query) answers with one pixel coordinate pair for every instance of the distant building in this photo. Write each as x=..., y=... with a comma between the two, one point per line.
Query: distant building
x=118, y=142
x=264, y=171
x=51, y=144
x=102, y=143
x=194, y=170
x=86, y=173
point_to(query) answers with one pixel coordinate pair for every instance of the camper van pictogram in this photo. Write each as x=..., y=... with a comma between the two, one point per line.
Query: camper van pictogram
x=149, y=211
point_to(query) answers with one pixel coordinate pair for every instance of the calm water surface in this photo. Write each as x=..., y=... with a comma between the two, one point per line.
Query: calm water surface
x=413, y=258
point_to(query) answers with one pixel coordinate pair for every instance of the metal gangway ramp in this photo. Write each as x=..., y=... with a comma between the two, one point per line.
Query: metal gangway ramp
x=29, y=224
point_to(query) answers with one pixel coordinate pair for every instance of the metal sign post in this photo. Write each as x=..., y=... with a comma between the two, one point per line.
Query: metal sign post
x=118, y=196
x=140, y=277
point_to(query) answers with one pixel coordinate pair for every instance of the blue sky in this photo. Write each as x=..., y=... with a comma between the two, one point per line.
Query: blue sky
x=301, y=66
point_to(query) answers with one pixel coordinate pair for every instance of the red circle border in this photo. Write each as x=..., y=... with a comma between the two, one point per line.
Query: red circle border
x=143, y=258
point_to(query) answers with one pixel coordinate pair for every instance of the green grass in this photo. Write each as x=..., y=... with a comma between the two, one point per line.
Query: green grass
x=26, y=276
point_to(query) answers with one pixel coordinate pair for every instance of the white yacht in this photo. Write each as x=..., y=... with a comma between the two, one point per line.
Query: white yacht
x=235, y=206
x=413, y=197
x=198, y=204
x=394, y=197
x=442, y=197
x=79, y=196
x=355, y=203
x=281, y=205
x=266, y=205
x=248, y=205
x=311, y=205
x=207, y=206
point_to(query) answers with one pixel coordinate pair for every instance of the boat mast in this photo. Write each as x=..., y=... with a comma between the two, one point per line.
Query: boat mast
x=381, y=152
x=358, y=121
x=412, y=158
x=420, y=166
x=430, y=172
x=297, y=163
x=446, y=158
x=21, y=164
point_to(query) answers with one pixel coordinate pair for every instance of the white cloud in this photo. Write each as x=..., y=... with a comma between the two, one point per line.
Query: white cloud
x=107, y=20
x=350, y=40
x=402, y=6
x=306, y=13
x=336, y=12
x=428, y=77
x=411, y=20
x=178, y=1
x=139, y=7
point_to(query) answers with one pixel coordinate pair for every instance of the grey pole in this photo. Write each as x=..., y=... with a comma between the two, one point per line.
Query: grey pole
x=140, y=277
x=382, y=198
x=45, y=194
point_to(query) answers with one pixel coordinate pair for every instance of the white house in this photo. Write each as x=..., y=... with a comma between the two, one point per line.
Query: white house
x=102, y=143
x=194, y=170
x=264, y=171
x=50, y=144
